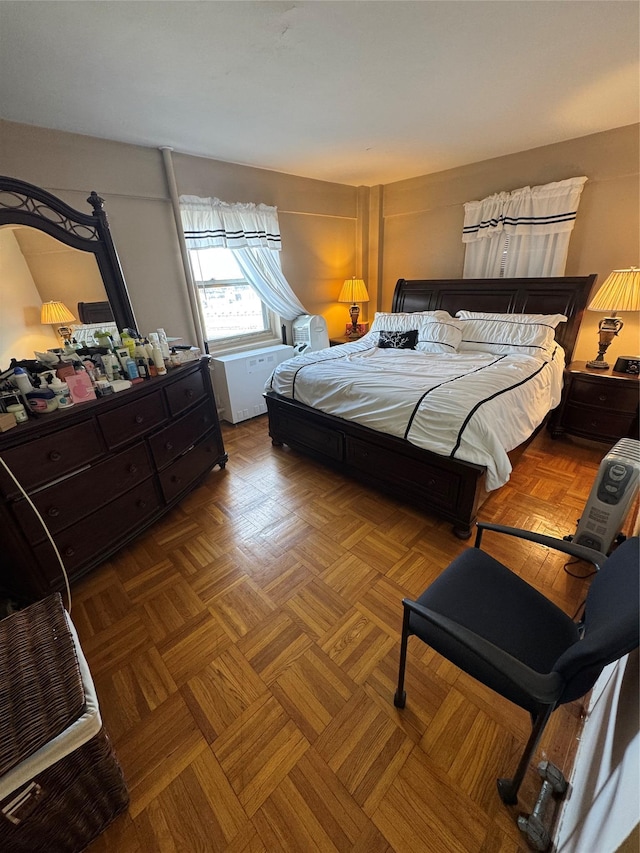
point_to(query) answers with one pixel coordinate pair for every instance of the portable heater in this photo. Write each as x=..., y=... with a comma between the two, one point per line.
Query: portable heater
x=309, y=333
x=612, y=494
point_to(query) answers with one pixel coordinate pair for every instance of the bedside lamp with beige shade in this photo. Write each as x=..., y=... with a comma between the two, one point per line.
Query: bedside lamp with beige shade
x=354, y=290
x=620, y=292
x=57, y=314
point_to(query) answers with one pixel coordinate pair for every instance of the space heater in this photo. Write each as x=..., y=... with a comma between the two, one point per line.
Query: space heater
x=309, y=333
x=612, y=494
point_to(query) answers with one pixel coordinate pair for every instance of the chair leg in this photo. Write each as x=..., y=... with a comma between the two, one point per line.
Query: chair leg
x=400, y=697
x=508, y=788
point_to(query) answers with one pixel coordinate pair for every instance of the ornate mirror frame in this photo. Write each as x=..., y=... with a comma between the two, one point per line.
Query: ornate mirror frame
x=25, y=204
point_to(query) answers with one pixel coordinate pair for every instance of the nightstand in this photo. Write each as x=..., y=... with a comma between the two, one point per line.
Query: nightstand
x=597, y=404
x=345, y=339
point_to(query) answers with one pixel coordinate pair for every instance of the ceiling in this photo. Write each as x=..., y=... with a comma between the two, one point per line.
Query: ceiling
x=363, y=93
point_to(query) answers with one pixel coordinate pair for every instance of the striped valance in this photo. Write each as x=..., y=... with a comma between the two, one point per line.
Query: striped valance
x=547, y=209
x=211, y=223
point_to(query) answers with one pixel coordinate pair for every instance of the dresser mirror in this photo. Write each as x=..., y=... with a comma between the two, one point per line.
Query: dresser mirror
x=52, y=252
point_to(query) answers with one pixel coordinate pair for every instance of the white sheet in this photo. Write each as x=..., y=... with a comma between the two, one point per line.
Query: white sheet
x=471, y=406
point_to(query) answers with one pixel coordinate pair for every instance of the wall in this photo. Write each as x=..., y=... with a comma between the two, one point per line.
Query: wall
x=422, y=218
x=601, y=809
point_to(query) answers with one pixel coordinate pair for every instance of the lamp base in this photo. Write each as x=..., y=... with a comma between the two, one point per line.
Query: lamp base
x=598, y=365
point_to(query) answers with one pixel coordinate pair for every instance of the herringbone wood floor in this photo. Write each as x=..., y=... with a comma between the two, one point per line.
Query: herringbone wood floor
x=245, y=653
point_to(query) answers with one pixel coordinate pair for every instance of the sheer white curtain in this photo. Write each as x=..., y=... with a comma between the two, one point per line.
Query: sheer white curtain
x=522, y=233
x=253, y=232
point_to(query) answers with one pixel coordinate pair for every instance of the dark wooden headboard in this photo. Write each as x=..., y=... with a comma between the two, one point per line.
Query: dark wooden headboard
x=566, y=295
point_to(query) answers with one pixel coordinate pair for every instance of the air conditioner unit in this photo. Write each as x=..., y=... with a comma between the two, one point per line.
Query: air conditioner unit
x=239, y=379
x=309, y=333
x=612, y=494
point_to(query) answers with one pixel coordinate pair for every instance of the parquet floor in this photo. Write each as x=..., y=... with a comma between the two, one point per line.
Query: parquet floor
x=245, y=653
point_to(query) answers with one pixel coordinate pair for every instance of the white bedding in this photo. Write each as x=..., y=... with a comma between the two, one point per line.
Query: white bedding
x=473, y=406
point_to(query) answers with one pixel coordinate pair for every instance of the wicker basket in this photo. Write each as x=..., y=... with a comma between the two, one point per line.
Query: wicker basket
x=60, y=783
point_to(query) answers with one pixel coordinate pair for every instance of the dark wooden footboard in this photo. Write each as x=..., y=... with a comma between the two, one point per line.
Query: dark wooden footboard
x=447, y=488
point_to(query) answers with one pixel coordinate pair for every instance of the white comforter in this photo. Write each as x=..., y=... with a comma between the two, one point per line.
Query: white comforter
x=472, y=406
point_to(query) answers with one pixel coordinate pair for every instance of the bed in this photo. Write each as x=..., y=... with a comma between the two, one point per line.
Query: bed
x=436, y=481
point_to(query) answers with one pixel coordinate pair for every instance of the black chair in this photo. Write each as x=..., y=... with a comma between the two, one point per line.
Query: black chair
x=501, y=631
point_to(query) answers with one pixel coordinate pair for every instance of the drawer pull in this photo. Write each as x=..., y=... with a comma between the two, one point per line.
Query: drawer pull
x=141, y=504
x=53, y=511
x=69, y=552
x=603, y=398
x=168, y=446
x=175, y=478
x=55, y=456
x=139, y=419
x=189, y=393
x=132, y=469
x=431, y=482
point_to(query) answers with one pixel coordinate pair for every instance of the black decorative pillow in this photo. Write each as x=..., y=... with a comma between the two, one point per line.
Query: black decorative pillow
x=398, y=340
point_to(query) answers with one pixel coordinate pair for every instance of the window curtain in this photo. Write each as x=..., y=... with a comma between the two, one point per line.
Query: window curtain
x=521, y=233
x=253, y=232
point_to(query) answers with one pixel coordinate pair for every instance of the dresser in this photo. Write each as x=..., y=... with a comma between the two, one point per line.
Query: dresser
x=100, y=473
x=597, y=404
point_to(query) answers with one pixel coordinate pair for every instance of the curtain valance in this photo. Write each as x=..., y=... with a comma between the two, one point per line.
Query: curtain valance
x=547, y=209
x=209, y=223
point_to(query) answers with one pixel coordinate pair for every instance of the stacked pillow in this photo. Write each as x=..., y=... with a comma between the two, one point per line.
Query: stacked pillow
x=527, y=334
x=468, y=331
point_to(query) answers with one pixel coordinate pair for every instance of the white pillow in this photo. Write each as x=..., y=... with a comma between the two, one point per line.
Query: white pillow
x=528, y=334
x=436, y=334
x=438, y=331
x=402, y=322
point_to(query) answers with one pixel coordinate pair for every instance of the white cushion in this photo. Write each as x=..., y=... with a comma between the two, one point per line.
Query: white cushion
x=528, y=334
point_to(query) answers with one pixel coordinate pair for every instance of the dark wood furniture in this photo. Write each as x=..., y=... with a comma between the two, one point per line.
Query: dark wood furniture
x=444, y=486
x=25, y=204
x=101, y=472
x=598, y=404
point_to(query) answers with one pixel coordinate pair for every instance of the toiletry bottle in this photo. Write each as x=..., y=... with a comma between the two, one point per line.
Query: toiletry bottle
x=22, y=380
x=128, y=342
x=143, y=368
x=164, y=343
x=132, y=369
x=158, y=360
x=61, y=390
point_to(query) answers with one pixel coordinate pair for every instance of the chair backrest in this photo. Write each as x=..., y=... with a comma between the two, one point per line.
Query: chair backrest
x=611, y=622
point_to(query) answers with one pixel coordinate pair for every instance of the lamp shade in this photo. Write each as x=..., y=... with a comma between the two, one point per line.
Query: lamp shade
x=354, y=290
x=620, y=292
x=55, y=312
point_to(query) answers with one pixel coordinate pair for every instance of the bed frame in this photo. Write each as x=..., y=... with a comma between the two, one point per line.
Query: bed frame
x=446, y=487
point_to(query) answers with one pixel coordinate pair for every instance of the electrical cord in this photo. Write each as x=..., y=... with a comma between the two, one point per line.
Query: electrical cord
x=573, y=574
x=45, y=528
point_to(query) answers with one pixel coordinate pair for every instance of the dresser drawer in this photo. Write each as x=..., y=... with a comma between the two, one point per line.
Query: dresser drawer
x=173, y=440
x=197, y=461
x=185, y=392
x=605, y=394
x=597, y=423
x=93, y=539
x=68, y=501
x=54, y=456
x=137, y=417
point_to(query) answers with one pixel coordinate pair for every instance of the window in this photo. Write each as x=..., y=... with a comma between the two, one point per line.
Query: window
x=232, y=311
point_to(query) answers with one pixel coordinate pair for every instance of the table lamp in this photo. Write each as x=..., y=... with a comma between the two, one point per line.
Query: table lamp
x=57, y=314
x=620, y=292
x=354, y=290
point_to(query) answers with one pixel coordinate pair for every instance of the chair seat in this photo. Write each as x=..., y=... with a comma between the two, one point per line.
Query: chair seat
x=479, y=592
